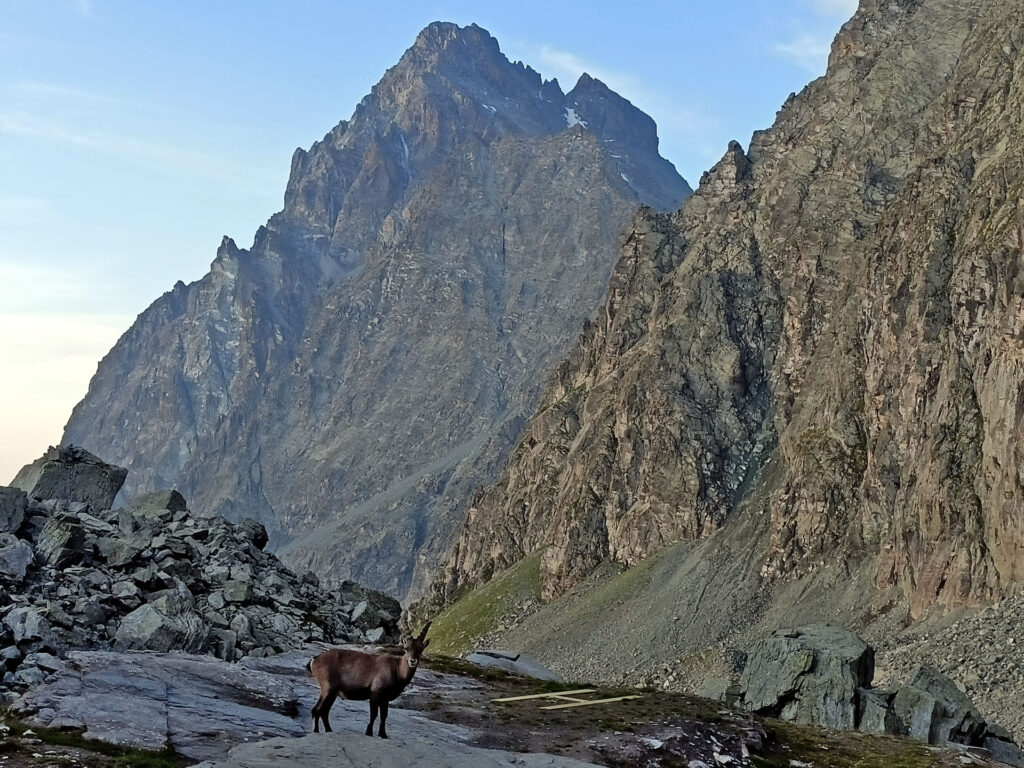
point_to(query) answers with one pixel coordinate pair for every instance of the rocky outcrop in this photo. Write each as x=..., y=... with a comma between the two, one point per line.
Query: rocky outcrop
x=822, y=675
x=357, y=372
x=199, y=705
x=154, y=576
x=817, y=359
x=808, y=675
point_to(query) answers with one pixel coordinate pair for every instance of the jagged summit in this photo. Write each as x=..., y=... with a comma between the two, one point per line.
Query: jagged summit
x=351, y=377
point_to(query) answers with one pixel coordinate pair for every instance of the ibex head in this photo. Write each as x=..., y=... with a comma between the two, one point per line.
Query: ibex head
x=415, y=646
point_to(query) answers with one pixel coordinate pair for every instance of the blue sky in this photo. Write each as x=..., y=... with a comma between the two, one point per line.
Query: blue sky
x=133, y=135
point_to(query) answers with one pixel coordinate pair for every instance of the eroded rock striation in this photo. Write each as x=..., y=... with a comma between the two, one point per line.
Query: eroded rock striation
x=353, y=375
x=817, y=361
x=153, y=576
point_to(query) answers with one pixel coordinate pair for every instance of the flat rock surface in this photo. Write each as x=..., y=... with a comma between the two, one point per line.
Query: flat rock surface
x=341, y=750
x=203, y=706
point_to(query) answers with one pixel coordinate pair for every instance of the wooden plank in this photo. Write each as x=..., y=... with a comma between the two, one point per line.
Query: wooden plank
x=588, y=703
x=543, y=695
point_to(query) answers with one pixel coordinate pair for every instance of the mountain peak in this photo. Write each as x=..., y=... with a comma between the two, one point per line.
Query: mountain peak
x=440, y=35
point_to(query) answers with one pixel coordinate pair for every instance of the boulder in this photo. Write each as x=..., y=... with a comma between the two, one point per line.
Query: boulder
x=957, y=719
x=237, y=591
x=120, y=551
x=155, y=506
x=15, y=557
x=808, y=675
x=61, y=542
x=251, y=532
x=168, y=623
x=30, y=628
x=1001, y=746
x=874, y=711
x=73, y=474
x=13, y=502
x=916, y=714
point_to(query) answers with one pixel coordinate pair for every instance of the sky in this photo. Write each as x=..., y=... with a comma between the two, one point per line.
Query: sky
x=134, y=135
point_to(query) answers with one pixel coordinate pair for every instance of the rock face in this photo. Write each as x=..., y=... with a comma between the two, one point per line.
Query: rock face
x=822, y=675
x=817, y=359
x=154, y=576
x=354, y=375
x=808, y=675
x=199, y=705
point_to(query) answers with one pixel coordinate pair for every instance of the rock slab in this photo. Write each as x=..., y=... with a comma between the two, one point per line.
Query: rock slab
x=200, y=705
x=334, y=750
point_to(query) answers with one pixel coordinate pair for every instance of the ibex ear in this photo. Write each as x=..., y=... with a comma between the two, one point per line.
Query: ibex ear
x=423, y=632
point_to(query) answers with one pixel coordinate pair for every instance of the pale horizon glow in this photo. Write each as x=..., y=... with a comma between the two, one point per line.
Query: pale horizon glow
x=133, y=136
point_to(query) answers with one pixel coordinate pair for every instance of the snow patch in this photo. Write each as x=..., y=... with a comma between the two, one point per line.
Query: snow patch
x=625, y=178
x=571, y=119
x=489, y=107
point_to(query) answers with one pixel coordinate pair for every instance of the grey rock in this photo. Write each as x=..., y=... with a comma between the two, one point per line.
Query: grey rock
x=1001, y=746
x=514, y=663
x=44, y=661
x=174, y=627
x=10, y=657
x=27, y=676
x=917, y=714
x=72, y=473
x=808, y=675
x=238, y=591
x=15, y=557
x=198, y=704
x=13, y=502
x=156, y=505
x=27, y=625
x=958, y=719
x=874, y=711
x=425, y=752
x=120, y=551
x=62, y=540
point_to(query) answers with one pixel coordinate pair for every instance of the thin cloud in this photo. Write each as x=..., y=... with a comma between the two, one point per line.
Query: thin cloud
x=82, y=8
x=17, y=210
x=845, y=8
x=808, y=51
x=45, y=285
x=55, y=93
x=155, y=156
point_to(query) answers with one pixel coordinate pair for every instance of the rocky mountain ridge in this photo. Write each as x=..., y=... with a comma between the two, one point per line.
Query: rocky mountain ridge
x=368, y=361
x=801, y=399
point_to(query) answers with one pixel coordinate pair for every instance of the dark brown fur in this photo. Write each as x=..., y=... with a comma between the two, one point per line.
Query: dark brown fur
x=377, y=678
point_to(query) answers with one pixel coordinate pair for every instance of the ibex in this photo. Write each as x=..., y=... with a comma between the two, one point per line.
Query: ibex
x=358, y=676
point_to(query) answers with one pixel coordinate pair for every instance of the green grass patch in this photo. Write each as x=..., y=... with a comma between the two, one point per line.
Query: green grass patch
x=842, y=749
x=455, y=631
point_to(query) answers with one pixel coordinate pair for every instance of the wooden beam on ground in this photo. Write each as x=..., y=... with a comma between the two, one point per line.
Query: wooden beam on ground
x=588, y=703
x=556, y=694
